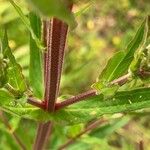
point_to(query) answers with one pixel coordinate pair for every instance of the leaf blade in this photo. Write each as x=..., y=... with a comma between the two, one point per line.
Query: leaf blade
x=35, y=67
x=14, y=71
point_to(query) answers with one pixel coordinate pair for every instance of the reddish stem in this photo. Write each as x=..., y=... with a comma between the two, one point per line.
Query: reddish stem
x=75, y=99
x=36, y=103
x=44, y=130
x=53, y=60
x=54, y=66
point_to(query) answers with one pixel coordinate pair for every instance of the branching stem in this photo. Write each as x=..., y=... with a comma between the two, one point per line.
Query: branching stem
x=54, y=38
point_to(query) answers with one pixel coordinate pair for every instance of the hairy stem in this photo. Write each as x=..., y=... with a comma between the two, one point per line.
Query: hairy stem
x=55, y=39
x=14, y=135
x=75, y=99
x=36, y=103
x=86, y=95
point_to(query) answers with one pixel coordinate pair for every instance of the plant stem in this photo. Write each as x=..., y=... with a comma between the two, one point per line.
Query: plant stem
x=36, y=103
x=86, y=95
x=54, y=64
x=55, y=40
x=87, y=129
x=80, y=97
x=43, y=132
x=140, y=145
x=75, y=99
x=121, y=80
x=15, y=136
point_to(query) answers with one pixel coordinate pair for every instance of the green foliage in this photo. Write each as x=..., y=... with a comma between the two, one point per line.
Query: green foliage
x=109, y=128
x=36, y=58
x=14, y=71
x=26, y=22
x=5, y=97
x=94, y=107
x=86, y=51
x=3, y=72
x=119, y=64
x=56, y=8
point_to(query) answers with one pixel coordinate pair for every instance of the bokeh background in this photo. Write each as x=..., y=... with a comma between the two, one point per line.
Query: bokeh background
x=104, y=27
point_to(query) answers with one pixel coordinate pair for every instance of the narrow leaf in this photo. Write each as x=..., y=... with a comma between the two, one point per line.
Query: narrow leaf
x=35, y=69
x=26, y=22
x=15, y=76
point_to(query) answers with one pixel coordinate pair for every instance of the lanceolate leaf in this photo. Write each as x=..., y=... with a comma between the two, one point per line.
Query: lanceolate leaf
x=26, y=22
x=107, y=129
x=15, y=76
x=88, y=109
x=35, y=69
x=53, y=8
x=118, y=65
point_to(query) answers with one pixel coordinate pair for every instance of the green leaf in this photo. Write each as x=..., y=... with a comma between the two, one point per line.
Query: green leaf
x=84, y=9
x=35, y=68
x=53, y=8
x=87, y=110
x=96, y=106
x=142, y=52
x=5, y=97
x=14, y=71
x=118, y=65
x=14, y=123
x=73, y=131
x=26, y=22
x=3, y=72
x=108, y=129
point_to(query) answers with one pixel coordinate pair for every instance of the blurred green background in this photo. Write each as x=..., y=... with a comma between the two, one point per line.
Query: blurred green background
x=104, y=27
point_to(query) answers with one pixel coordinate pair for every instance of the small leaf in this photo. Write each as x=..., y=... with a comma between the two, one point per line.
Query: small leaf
x=35, y=68
x=26, y=22
x=53, y=8
x=14, y=71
